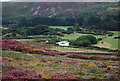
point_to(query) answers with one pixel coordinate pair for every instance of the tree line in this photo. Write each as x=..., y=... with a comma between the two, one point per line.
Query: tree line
x=87, y=20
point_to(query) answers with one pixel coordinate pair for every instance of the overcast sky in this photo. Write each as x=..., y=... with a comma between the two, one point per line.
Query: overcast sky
x=60, y=0
x=6, y=0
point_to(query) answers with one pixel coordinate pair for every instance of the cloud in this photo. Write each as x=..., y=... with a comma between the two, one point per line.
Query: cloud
x=6, y=0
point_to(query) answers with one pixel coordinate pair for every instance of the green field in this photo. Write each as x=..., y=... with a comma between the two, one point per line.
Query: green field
x=73, y=36
x=114, y=42
x=59, y=48
x=110, y=40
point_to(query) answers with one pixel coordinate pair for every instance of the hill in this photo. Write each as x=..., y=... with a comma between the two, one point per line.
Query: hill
x=91, y=15
x=57, y=8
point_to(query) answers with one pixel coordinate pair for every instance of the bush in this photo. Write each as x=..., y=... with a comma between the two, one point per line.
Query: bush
x=99, y=39
x=85, y=41
x=12, y=35
x=81, y=43
x=79, y=77
x=53, y=40
x=17, y=74
x=90, y=38
x=60, y=34
x=110, y=34
x=70, y=30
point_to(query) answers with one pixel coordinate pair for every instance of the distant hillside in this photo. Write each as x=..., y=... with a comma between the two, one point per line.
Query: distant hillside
x=90, y=15
x=57, y=8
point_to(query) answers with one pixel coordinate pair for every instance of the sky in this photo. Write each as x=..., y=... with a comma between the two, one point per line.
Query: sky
x=60, y=0
x=6, y=0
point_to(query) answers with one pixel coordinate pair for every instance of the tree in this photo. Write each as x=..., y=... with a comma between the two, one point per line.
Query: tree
x=24, y=22
x=40, y=29
x=70, y=30
x=85, y=41
x=90, y=38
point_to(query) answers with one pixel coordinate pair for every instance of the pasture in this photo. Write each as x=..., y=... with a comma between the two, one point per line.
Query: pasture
x=110, y=41
x=74, y=36
x=114, y=42
x=59, y=48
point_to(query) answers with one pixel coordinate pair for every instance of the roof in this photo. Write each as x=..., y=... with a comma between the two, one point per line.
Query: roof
x=63, y=43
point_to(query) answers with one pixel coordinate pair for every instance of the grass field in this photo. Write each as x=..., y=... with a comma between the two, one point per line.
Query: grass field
x=114, y=42
x=73, y=36
x=56, y=67
x=110, y=40
x=59, y=48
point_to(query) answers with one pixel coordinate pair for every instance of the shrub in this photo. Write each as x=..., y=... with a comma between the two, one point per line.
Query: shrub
x=90, y=38
x=60, y=34
x=17, y=74
x=99, y=39
x=79, y=77
x=92, y=57
x=110, y=34
x=70, y=30
x=52, y=41
x=12, y=35
x=81, y=43
x=85, y=41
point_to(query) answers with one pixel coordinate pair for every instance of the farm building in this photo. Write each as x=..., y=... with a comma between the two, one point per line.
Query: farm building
x=63, y=43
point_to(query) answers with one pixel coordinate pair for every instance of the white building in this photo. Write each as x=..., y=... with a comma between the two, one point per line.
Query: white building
x=63, y=43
